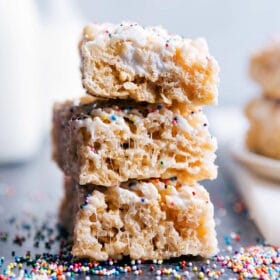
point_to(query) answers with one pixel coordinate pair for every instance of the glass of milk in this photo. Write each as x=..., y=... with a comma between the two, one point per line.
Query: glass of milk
x=20, y=98
x=39, y=64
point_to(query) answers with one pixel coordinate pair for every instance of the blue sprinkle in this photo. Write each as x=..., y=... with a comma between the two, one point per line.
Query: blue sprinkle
x=159, y=106
x=113, y=118
x=227, y=240
x=143, y=200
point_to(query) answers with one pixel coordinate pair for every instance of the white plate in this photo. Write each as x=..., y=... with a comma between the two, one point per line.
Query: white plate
x=261, y=165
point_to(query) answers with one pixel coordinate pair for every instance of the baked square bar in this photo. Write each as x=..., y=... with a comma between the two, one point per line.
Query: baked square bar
x=108, y=142
x=265, y=68
x=128, y=61
x=151, y=219
x=263, y=136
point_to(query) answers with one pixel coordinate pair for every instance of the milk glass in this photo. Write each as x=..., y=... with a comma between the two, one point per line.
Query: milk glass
x=20, y=99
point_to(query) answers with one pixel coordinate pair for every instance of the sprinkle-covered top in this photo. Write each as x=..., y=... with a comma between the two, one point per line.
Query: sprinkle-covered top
x=145, y=37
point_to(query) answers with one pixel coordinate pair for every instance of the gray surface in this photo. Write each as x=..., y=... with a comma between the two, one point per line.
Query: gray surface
x=32, y=191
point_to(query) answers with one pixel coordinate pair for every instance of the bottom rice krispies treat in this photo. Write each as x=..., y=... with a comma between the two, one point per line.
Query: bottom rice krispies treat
x=152, y=219
x=263, y=136
x=69, y=206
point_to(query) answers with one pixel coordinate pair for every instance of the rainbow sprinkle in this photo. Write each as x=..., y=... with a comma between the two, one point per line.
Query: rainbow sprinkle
x=253, y=262
x=86, y=198
x=257, y=262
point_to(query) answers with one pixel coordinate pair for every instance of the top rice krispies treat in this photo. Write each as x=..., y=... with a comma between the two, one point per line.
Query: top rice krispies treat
x=128, y=61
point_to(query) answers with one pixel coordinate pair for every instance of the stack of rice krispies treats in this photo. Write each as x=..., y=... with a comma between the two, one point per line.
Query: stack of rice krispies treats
x=263, y=113
x=134, y=148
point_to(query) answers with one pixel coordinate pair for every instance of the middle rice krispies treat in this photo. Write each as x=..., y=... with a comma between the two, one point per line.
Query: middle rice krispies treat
x=108, y=142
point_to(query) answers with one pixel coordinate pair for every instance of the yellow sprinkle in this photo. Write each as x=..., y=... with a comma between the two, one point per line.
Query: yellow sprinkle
x=20, y=265
x=195, y=268
x=178, y=276
x=103, y=117
x=133, y=119
x=200, y=275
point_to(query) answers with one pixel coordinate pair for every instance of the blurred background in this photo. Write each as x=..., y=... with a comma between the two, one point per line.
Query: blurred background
x=40, y=62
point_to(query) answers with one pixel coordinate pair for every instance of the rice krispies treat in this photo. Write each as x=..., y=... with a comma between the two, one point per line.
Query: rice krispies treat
x=263, y=136
x=129, y=61
x=112, y=141
x=265, y=69
x=142, y=219
x=68, y=208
